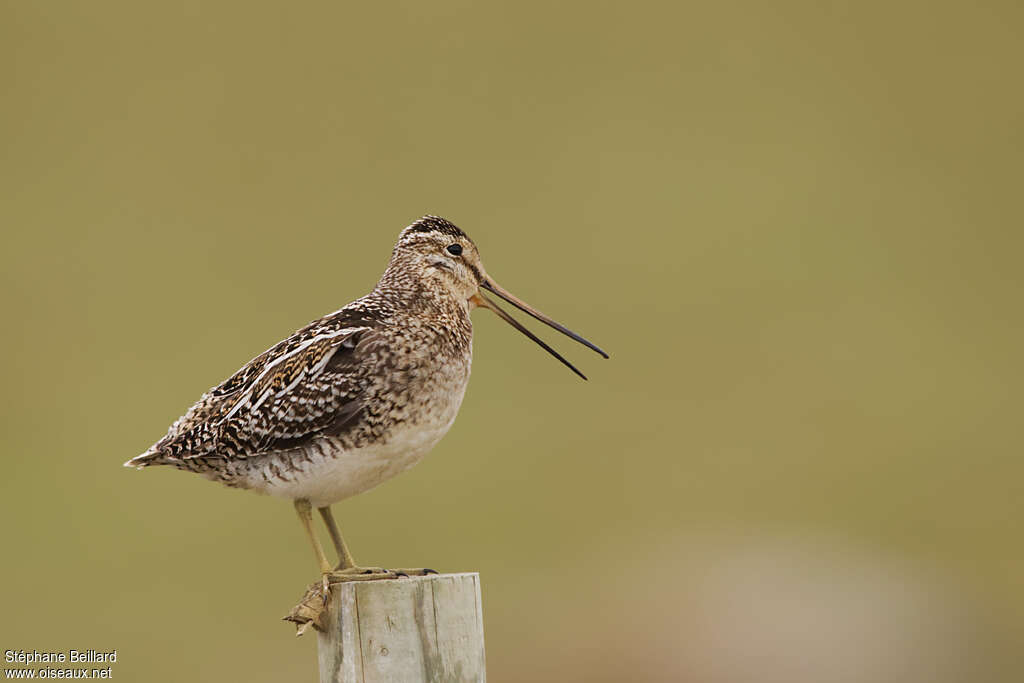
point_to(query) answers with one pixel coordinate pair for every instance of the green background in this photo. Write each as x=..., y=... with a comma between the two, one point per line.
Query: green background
x=796, y=226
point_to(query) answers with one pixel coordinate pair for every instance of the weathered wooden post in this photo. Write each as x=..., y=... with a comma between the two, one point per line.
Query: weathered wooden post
x=421, y=628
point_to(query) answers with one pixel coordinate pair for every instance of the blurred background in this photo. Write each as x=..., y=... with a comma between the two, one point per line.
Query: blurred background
x=796, y=226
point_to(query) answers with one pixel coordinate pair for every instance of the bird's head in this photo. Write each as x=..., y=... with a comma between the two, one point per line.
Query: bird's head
x=440, y=257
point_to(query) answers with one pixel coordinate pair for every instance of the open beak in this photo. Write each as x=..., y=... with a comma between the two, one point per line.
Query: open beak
x=483, y=301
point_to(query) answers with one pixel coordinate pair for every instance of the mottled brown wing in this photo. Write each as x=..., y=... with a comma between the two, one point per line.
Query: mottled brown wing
x=315, y=392
x=303, y=387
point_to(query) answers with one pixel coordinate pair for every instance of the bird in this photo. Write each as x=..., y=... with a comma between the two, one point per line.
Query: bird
x=355, y=397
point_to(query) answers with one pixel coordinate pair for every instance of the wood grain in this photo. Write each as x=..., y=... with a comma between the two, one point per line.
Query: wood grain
x=422, y=628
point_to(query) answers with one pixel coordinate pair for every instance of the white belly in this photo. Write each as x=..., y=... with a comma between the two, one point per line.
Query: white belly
x=328, y=474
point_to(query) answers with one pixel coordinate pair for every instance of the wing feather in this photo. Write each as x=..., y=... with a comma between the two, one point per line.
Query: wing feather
x=306, y=386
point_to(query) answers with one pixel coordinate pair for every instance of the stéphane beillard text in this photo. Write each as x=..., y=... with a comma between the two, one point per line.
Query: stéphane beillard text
x=76, y=656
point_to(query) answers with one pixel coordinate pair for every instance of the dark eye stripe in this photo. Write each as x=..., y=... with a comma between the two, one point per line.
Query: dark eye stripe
x=455, y=249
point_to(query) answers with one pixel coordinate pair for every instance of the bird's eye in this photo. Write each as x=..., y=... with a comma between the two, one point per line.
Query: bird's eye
x=454, y=249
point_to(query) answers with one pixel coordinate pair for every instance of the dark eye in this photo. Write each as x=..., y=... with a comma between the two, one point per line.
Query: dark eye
x=454, y=249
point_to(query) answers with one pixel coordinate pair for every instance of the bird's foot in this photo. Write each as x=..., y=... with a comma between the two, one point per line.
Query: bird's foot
x=418, y=571
x=371, y=574
x=312, y=607
x=341, y=575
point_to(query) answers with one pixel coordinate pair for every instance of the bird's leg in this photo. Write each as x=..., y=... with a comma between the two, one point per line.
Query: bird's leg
x=345, y=560
x=305, y=512
x=312, y=607
x=347, y=569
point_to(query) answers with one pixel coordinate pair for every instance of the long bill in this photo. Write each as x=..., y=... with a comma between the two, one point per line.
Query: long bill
x=491, y=286
x=485, y=302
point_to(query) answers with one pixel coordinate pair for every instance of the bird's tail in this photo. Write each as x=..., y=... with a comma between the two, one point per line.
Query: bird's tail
x=150, y=457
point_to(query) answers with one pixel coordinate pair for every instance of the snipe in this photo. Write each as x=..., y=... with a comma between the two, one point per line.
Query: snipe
x=353, y=398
